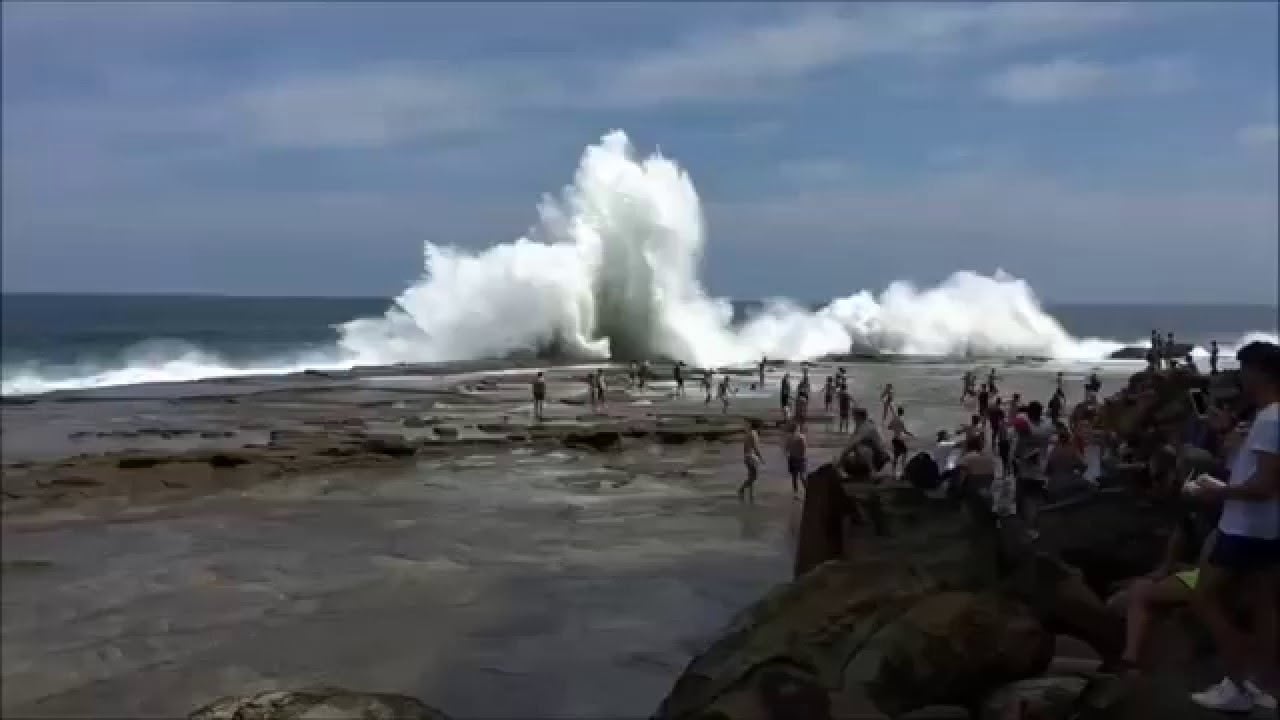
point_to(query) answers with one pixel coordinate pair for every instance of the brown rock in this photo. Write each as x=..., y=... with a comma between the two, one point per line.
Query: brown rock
x=319, y=702
x=950, y=649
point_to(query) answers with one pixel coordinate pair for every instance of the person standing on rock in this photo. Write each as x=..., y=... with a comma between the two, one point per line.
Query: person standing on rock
x=1246, y=552
x=1213, y=357
x=797, y=458
x=539, y=396
x=678, y=371
x=633, y=374
x=763, y=362
x=751, y=455
x=802, y=397
x=707, y=381
x=898, y=426
x=784, y=395
x=984, y=400
x=1033, y=434
x=991, y=382
x=966, y=386
x=643, y=375
x=723, y=394
x=886, y=402
x=995, y=418
x=845, y=402
x=599, y=388
x=591, y=390
x=828, y=395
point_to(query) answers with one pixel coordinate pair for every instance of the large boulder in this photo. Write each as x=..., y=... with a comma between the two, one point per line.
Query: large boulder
x=318, y=703
x=801, y=634
x=852, y=638
x=1043, y=698
x=1109, y=535
x=951, y=649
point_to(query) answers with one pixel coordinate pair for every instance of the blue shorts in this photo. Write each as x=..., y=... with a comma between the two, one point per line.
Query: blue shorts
x=1241, y=553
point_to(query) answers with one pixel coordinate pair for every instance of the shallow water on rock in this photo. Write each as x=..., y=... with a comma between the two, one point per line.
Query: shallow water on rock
x=551, y=588
x=512, y=581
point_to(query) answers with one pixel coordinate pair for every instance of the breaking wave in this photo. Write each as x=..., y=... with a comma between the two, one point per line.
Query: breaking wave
x=610, y=270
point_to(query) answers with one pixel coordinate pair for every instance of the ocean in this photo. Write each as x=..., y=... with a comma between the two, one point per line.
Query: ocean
x=71, y=341
x=609, y=272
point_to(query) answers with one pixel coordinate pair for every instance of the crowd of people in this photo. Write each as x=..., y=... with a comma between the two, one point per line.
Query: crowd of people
x=1011, y=456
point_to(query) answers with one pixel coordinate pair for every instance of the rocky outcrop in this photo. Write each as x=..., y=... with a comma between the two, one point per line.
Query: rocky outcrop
x=316, y=703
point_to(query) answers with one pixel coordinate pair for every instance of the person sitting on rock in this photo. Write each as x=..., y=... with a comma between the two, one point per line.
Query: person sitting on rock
x=1170, y=585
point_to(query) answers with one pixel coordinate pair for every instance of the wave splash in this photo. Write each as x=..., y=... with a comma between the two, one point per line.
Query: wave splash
x=611, y=270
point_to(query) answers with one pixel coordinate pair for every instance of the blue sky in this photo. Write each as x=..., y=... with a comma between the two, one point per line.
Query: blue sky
x=1103, y=151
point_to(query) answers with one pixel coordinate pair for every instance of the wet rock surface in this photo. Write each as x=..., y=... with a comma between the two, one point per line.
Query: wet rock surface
x=316, y=703
x=419, y=534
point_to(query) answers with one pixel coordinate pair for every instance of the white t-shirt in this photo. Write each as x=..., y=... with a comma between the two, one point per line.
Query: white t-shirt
x=1252, y=518
x=945, y=454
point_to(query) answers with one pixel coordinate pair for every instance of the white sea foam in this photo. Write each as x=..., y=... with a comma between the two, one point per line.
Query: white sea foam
x=611, y=270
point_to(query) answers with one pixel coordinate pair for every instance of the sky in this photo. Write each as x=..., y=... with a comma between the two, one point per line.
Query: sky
x=1105, y=152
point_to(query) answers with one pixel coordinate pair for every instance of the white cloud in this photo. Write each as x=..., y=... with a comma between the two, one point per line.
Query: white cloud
x=1261, y=135
x=750, y=61
x=1066, y=79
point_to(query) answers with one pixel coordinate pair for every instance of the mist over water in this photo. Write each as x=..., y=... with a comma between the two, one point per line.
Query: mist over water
x=611, y=270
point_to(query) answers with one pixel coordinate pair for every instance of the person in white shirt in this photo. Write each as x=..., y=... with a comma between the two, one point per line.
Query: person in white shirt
x=1246, y=554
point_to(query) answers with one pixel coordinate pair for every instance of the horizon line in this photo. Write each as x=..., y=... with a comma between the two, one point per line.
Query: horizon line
x=387, y=298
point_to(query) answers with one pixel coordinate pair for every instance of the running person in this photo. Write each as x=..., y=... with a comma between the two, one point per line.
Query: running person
x=898, y=426
x=797, y=451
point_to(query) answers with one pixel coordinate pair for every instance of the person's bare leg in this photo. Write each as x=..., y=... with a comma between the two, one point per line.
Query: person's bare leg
x=1145, y=596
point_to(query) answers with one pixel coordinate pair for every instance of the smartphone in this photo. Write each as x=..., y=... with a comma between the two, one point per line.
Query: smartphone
x=1199, y=403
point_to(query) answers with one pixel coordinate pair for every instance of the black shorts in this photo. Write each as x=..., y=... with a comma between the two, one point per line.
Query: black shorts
x=1029, y=487
x=899, y=447
x=796, y=465
x=1241, y=553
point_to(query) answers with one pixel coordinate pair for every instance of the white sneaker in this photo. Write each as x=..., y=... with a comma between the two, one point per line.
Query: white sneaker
x=1226, y=696
x=1261, y=697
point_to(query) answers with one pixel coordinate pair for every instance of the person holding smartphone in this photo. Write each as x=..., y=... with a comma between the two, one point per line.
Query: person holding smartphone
x=1246, y=553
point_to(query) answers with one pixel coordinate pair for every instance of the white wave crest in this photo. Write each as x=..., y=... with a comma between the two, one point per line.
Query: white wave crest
x=612, y=270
